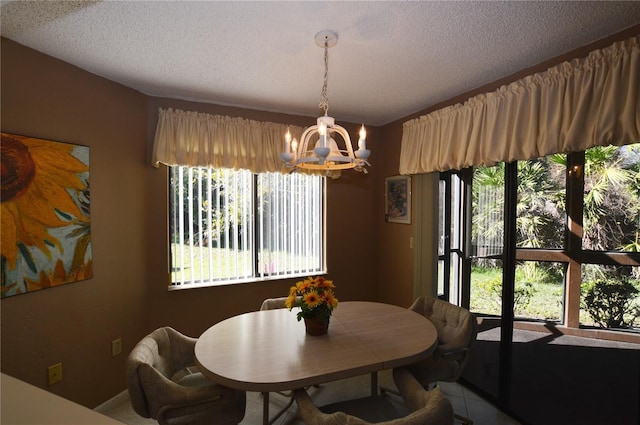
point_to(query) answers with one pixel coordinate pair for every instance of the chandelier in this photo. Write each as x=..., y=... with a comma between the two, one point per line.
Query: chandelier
x=319, y=148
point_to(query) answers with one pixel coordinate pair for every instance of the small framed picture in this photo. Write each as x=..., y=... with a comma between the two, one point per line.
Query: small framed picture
x=398, y=199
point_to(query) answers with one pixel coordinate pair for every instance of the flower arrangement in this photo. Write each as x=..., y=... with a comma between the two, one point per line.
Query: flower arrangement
x=314, y=296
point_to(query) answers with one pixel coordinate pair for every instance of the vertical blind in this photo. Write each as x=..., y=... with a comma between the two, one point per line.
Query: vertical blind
x=488, y=217
x=230, y=226
x=290, y=224
x=211, y=225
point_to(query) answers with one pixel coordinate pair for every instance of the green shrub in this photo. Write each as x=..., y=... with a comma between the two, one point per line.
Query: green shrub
x=611, y=303
x=523, y=292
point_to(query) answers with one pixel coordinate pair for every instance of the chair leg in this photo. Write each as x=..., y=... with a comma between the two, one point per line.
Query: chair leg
x=463, y=419
x=384, y=390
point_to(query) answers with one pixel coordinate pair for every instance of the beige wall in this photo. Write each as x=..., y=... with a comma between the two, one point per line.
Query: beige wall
x=75, y=323
x=127, y=297
x=394, y=250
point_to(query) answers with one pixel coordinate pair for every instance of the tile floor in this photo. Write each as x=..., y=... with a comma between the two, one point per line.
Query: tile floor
x=464, y=402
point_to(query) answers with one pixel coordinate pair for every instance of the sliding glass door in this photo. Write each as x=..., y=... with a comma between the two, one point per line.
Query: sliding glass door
x=535, y=249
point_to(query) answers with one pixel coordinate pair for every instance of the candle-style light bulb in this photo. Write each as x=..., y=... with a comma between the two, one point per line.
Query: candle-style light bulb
x=362, y=144
x=322, y=129
x=294, y=146
x=287, y=141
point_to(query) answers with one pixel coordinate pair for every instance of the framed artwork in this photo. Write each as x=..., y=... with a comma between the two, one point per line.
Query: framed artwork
x=398, y=199
x=46, y=225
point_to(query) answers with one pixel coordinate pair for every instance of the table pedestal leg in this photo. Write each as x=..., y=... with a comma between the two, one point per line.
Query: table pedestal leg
x=374, y=384
x=265, y=408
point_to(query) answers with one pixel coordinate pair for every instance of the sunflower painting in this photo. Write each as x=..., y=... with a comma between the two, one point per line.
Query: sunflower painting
x=45, y=234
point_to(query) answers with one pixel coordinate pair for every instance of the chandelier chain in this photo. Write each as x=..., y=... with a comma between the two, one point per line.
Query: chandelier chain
x=324, y=99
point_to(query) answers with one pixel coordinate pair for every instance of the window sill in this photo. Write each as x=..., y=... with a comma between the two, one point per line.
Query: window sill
x=622, y=335
x=211, y=284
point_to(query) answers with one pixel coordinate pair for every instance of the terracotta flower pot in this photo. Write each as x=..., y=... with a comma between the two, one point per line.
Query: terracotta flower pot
x=316, y=326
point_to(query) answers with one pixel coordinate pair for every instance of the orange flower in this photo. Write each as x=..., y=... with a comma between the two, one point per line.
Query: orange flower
x=325, y=283
x=291, y=299
x=303, y=285
x=48, y=278
x=312, y=299
x=331, y=299
x=36, y=179
x=314, y=296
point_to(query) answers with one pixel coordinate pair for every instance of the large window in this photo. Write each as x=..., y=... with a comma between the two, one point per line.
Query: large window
x=231, y=226
x=551, y=261
x=577, y=221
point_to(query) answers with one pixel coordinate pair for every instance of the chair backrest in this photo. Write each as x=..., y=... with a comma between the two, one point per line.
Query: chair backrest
x=457, y=327
x=427, y=407
x=457, y=331
x=273, y=303
x=165, y=351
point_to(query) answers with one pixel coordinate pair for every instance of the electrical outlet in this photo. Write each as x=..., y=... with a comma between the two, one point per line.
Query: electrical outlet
x=55, y=373
x=116, y=347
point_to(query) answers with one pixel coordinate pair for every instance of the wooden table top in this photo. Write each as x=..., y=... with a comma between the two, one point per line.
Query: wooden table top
x=270, y=351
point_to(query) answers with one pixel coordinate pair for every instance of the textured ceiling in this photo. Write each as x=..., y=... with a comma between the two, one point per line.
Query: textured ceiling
x=392, y=58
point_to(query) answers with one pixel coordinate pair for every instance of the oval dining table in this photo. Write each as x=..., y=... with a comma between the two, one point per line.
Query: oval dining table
x=269, y=350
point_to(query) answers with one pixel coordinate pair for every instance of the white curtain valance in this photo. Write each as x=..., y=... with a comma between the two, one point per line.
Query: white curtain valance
x=570, y=107
x=203, y=140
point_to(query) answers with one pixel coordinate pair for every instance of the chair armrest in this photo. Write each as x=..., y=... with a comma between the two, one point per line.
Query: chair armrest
x=170, y=411
x=311, y=415
x=411, y=391
x=443, y=353
x=427, y=407
x=182, y=349
x=161, y=391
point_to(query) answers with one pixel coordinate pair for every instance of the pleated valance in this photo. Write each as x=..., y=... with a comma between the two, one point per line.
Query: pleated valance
x=571, y=107
x=204, y=140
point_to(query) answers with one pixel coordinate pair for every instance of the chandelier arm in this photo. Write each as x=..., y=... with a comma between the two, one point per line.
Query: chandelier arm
x=305, y=139
x=345, y=136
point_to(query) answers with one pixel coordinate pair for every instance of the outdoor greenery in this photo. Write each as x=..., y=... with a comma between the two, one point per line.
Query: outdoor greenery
x=233, y=225
x=537, y=299
x=610, y=302
x=225, y=263
x=214, y=208
x=610, y=220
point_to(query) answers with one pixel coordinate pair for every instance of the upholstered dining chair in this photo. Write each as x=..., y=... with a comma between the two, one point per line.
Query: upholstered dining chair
x=426, y=407
x=457, y=330
x=162, y=385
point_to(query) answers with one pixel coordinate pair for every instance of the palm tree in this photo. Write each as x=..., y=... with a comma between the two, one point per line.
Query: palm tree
x=539, y=208
x=611, y=201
